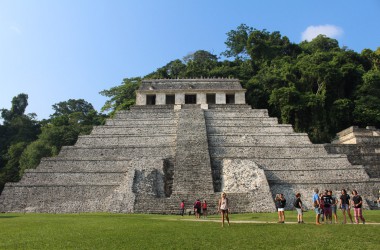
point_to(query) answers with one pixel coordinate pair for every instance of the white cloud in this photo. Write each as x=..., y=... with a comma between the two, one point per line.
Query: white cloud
x=15, y=30
x=331, y=31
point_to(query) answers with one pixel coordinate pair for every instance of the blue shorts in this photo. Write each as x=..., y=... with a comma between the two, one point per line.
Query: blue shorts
x=316, y=210
x=345, y=207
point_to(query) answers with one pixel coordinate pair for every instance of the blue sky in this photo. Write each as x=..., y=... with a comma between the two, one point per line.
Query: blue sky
x=71, y=49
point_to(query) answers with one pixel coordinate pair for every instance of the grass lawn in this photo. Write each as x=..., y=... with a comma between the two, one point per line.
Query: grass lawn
x=138, y=231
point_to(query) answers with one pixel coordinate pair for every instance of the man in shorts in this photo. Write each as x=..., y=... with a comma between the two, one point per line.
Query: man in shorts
x=316, y=206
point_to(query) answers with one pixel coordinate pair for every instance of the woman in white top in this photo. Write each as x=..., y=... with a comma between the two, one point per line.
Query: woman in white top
x=223, y=208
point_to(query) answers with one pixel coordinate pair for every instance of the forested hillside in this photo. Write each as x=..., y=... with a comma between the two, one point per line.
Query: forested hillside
x=24, y=140
x=317, y=86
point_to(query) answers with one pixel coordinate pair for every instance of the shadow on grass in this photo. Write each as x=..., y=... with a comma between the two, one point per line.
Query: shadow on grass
x=7, y=216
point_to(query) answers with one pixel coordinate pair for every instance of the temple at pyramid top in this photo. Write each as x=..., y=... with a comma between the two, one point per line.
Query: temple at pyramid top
x=201, y=91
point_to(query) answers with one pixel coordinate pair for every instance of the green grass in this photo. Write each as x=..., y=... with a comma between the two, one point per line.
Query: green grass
x=137, y=231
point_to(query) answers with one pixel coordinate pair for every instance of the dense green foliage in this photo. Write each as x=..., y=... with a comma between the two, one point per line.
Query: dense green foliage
x=136, y=231
x=316, y=86
x=24, y=140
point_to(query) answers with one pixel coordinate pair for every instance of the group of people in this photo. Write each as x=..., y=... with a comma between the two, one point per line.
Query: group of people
x=199, y=207
x=280, y=202
x=325, y=205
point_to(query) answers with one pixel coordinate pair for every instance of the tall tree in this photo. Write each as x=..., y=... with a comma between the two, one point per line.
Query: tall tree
x=367, y=104
x=17, y=132
x=121, y=97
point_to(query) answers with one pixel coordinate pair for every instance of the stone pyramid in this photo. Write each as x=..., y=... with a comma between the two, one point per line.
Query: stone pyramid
x=149, y=158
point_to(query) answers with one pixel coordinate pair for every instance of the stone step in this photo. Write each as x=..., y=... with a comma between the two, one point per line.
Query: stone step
x=141, y=122
x=352, y=149
x=268, y=151
x=253, y=139
x=296, y=163
x=249, y=129
x=65, y=164
x=192, y=169
x=37, y=177
x=116, y=152
x=56, y=164
x=151, y=108
x=241, y=114
x=134, y=130
x=363, y=158
x=234, y=107
x=236, y=122
x=55, y=198
x=122, y=140
x=373, y=170
x=353, y=173
x=142, y=115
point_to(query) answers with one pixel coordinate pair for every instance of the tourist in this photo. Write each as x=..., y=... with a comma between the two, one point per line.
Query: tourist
x=334, y=205
x=345, y=205
x=182, y=207
x=327, y=202
x=316, y=206
x=223, y=208
x=204, y=208
x=321, y=207
x=357, y=202
x=298, y=206
x=280, y=204
x=197, y=208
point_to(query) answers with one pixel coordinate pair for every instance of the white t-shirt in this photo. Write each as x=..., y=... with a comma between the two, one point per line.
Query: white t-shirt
x=223, y=204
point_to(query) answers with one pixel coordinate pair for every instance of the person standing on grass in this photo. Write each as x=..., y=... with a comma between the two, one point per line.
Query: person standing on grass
x=345, y=205
x=327, y=202
x=204, y=208
x=334, y=205
x=197, y=208
x=357, y=202
x=298, y=206
x=316, y=206
x=182, y=207
x=280, y=204
x=223, y=208
x=321, y=207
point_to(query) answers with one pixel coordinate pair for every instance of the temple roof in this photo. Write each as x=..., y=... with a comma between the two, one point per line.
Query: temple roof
x=194, y=84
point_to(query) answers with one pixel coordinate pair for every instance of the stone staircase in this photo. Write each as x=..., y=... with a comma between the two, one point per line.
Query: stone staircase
x=290, y=161
x=362, y=147
x=100, y=171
